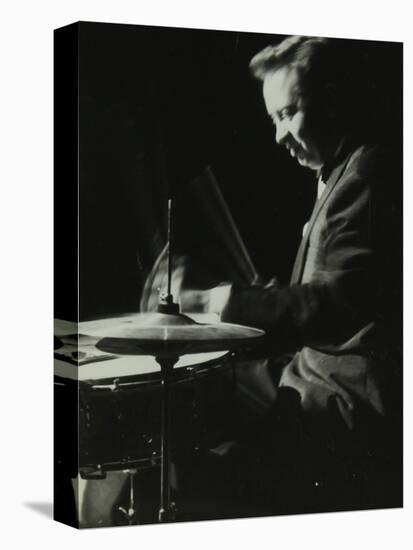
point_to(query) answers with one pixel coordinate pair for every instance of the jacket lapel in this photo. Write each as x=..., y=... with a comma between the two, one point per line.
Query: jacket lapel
x=302, y=251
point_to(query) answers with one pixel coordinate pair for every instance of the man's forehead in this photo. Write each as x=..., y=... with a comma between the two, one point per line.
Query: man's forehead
x=280, y=89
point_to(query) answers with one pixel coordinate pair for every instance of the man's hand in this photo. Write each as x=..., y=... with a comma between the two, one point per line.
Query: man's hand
x=242, y=306
x=194, y=293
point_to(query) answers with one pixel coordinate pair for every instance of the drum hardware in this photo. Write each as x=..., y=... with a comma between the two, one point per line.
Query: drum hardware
x=168, y=334
x=96, y=472
x=131, y=512
x=168, y=508
x=195, y=404
x=130, y=419
x=99, y=471
x=112, y=387
x=154, y=458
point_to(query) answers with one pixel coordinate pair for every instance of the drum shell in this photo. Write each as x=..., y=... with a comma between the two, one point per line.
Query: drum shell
x=120, y=418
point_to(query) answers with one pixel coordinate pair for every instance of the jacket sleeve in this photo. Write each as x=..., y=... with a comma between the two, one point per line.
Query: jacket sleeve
x=344, y=292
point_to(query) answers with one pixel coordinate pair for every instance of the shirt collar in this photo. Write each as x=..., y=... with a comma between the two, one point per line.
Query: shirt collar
x=331, y=163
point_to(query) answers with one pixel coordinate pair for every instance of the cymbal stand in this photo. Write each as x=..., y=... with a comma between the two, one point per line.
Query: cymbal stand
x=130, y=513
x=167, y=510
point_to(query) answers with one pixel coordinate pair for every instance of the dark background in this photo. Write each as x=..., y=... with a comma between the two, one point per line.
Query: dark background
x=156, y=106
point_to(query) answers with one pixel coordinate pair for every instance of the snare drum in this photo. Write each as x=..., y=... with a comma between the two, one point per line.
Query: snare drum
x=120, y=407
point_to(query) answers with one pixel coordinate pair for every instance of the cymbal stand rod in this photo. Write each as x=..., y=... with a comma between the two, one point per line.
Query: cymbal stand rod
x=166, y=301
x=169, y=247
x=167, y=509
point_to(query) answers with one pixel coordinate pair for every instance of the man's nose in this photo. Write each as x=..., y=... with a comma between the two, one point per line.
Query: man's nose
x=281, y=133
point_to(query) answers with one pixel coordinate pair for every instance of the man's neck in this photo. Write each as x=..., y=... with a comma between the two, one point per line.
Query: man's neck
x=332, y=159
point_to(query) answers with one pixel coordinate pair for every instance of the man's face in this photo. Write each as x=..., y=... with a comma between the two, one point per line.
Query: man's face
x=289, y=113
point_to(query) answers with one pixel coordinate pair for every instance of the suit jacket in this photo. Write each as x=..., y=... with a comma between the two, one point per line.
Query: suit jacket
x=344, y=295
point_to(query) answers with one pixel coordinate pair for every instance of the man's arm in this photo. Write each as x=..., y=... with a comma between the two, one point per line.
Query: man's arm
x=343, y=292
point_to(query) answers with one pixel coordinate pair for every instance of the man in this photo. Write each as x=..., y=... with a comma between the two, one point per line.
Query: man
x=341, y=313
x=334, y=310
x=324, y=442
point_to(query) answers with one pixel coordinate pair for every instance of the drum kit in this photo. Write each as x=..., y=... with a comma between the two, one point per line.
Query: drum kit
x=168, y=335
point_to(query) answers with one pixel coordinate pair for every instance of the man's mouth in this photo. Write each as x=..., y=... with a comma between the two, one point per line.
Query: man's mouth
x=295, y=151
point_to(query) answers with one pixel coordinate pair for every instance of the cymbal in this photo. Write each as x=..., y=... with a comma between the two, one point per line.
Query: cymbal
x=172, y=335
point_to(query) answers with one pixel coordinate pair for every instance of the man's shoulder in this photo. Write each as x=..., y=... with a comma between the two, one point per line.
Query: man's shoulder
x=370, y=180
x=368, y=159
x=362, y=173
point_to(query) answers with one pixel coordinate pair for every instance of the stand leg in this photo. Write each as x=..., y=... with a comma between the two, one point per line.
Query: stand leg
x=130, y=513
x=166, y=510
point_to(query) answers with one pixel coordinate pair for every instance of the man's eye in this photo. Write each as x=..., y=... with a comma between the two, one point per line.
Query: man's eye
x=287, y=113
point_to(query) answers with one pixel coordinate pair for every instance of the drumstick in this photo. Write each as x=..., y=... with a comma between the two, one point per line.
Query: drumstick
x=223, y=221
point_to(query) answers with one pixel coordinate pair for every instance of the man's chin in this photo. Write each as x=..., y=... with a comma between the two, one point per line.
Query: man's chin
x=308, y=163
x=303, y=161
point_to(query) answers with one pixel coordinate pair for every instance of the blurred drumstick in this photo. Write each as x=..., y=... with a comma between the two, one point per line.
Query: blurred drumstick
x=222, y=221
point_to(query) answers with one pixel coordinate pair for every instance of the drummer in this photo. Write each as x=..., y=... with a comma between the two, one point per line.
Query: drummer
x=330, y=404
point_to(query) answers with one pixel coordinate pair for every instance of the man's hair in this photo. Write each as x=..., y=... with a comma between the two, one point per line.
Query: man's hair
x=317, y=60
x=298, y=52
x=341, y=78
x=324, y=68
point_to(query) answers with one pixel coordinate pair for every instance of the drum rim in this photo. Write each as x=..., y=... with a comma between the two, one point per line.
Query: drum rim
x=181, y=374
